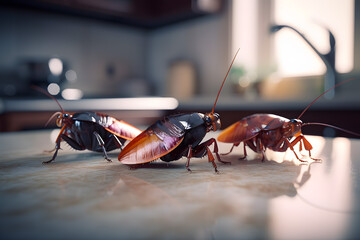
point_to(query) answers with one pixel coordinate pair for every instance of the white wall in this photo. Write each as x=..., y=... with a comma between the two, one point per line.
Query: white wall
x=203, y=41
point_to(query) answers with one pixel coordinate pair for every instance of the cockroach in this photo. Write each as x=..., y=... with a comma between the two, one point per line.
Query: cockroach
x=91, y=130
x=176, y=136
x=268, y=131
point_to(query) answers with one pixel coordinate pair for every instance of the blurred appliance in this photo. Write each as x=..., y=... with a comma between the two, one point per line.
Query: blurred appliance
x=47, y=73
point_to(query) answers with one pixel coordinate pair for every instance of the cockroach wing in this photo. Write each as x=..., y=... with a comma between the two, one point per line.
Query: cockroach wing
x=152, y=143
x=111, y=124
x=275, y=121
x=235, y=133
x=262, y=121
x=249, y=127
x=123, y=129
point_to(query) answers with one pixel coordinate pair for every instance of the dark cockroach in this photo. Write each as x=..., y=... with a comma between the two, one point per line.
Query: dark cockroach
x=91, y=130
x=268, y=131
x=174, y=137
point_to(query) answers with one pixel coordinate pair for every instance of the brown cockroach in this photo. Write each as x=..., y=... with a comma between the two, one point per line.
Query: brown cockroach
x=268, y=131
x=176, y=136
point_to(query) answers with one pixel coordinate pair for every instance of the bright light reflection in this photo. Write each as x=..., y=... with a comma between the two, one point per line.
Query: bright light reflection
x=244, y=32
x=54, y=134
x=55, y=66
x=53, y=89
x=72, y=94
x=294, y=56
x=341, y=173
x=322, y=201
x=208, y=5
x=144, y=103
x=149, y=103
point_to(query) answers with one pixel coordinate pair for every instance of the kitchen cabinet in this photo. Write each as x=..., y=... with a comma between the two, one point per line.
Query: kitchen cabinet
x=137, y=13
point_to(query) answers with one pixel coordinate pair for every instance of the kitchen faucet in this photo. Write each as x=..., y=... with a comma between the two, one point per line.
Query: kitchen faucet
x=328, y=59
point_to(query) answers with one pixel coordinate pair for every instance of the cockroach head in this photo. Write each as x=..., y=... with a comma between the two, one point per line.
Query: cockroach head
x=292, y=128
x=296, y=121
x=62, y=117
x=212, y=121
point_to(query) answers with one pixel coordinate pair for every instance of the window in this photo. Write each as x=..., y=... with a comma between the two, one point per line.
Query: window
x=285, y=50
x=293, y=56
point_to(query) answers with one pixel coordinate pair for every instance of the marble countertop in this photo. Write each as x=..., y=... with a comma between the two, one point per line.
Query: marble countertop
x=81, y=196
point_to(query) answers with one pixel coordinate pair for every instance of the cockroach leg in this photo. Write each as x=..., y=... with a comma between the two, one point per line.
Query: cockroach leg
x=262, y=156
x=189, y=156
x=101, y=144
x=260, y=148
x=314, y=159
x=105, y=154
x=292, y=144
x=300, y=146
x=202, y=149
x=118, y=142
x=231, y=149
x=49, y=151
x=53, y=158
x=216, y=151
x=308, y=147
x=211, y=159
x=57, y=147
x=245, y=153
x=75, y=145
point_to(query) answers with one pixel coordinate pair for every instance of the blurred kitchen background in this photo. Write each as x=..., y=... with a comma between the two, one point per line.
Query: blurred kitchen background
x=139, y=60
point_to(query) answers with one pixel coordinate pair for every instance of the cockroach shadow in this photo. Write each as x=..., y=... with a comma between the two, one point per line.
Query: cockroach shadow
x=268, y=179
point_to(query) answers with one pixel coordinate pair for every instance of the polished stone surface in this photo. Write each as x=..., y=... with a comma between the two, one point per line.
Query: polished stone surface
x=81, y=196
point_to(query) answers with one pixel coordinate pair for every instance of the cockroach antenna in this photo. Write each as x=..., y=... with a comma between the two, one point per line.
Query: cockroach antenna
x=217, y=97
x=325, y=124
x=332, y=126
x=337, y=85
x=39, y=89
